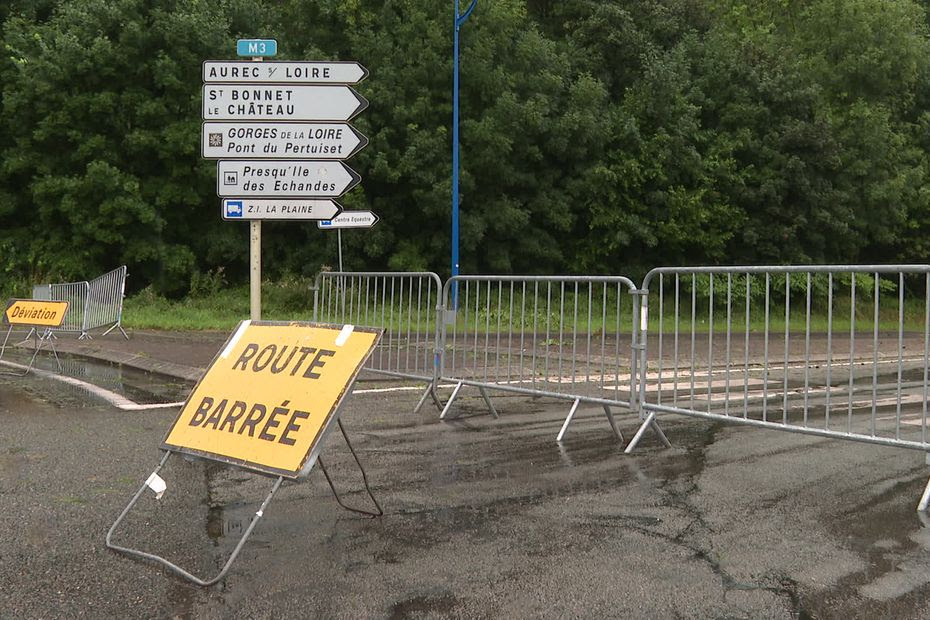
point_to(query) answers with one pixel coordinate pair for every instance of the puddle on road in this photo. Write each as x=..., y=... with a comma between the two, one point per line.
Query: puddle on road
x=424, y=605
x=136, y=385
x=229, y=520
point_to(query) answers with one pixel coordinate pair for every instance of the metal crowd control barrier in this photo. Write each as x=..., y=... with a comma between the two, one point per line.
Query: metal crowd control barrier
x=105, y=303
x=568, y=337
x=42, y=291
x=404, y=304
x=75, y=293
x=833, y=351
x=95, y=304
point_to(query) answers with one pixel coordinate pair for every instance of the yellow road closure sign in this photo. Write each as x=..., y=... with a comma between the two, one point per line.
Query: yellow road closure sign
x=35, y=312
x=270, y=394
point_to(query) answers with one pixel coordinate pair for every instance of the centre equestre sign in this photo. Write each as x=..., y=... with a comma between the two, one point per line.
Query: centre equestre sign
x=271, y=394
x=35, y=312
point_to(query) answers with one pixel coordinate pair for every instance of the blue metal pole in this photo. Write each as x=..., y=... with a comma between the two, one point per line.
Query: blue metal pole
x=455, y=144
x=459, y=20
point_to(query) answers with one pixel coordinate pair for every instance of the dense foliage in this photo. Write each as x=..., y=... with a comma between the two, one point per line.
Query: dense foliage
x=597, y=136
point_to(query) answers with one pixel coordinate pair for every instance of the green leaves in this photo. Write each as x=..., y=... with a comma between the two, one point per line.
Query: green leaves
x=598, y=137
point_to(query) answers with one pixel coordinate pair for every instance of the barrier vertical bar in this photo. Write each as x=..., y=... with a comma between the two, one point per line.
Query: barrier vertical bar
x=765, y=361
x=807, y=345
x=829, y=349
x=710, y=342
x=784, y=405
x=874, y=354
x=726, y=393
x=852, y=348
x=746, y=349
x=661, y=351
x=897, y=430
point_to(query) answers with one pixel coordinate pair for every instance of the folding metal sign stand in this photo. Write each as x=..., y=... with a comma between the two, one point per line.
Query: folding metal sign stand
x=40, y=339
x=258, y=515
x=251, y=367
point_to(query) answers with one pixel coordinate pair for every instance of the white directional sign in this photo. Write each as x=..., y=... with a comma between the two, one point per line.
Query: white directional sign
x=232, y=140
x=282, y=72
x=276, y=102
x=280, y=209
x=350, y=219
x=305, y=179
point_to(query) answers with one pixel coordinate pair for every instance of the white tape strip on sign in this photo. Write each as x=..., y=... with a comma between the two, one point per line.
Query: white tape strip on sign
x=344, y=334
x=157, y=484
x=235, y=338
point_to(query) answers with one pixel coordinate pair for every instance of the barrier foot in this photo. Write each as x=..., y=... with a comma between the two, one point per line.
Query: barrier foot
x=119, y=327
x=171, y=566
x=924, y=499
x=487, y=401
x=660, y=433
x=568, y=420
x=430, y=391
x=613, y=423
x=455, y=392
x=361, y=468
x=649, y=422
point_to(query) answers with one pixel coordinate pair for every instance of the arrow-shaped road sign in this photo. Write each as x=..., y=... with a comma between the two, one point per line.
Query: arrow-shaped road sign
x=280, y=102
x=350, y=219
x=298, y=179
x=270, y=140
x=280, y=209
x=282, y=72
x=35, y=312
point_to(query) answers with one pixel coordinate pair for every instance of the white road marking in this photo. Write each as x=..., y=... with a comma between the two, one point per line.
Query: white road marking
x=117, y=400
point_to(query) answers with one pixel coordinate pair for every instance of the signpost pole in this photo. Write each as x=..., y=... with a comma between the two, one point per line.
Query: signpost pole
x=255, y=262
x=255, y=270
x=459, y=20
x=339, y=241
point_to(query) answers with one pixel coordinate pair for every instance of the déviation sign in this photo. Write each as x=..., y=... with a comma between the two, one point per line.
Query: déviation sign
x=35, y=312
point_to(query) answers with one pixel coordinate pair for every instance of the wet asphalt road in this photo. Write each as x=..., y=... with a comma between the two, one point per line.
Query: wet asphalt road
x=484, y=518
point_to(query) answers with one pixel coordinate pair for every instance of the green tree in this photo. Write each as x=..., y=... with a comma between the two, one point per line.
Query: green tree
x=101, y=106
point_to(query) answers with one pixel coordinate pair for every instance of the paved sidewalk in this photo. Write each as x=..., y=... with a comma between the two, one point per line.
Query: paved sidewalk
x=181, y=354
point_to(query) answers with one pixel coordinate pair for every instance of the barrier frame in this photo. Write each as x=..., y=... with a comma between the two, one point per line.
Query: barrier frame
x=452, y=296
x=82, y=296
x=650, y=411
x=345, y=306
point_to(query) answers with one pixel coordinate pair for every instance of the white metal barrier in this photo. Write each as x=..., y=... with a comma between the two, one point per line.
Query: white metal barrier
x=93, y=305
x=836, y=351
x=568, y=337
x=105, y=302
x=404, y=304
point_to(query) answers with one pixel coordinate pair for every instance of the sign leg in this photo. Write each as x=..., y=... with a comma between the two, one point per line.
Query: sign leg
x=380, y=511
x=170, y=565
x=3, y=346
